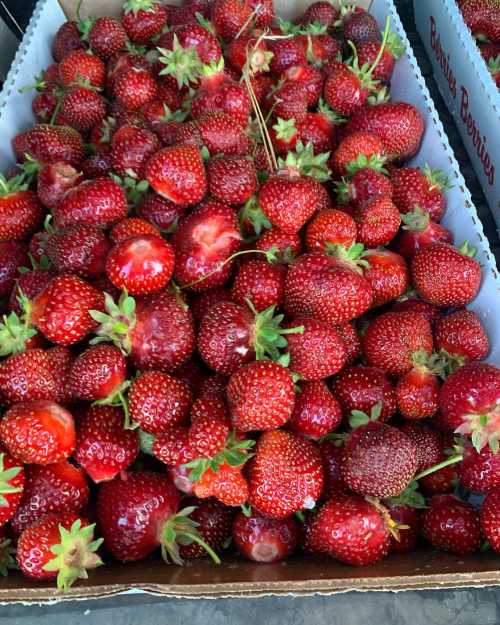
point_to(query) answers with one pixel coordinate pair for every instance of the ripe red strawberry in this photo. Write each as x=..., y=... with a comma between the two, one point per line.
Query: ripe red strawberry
x=66, y=39
x=11, y=486
x=35, y=374
x=61, y=311
x=30, y=284
x=248, y=48
x=399, y=125
x=178, y=174
x=203, y=243
x=172, y=447
x=162, y=213
x=286, y=246
x=99, y=202
x=13, y=254
x=489, y=518
x=134, y=87
x=444, y=480
x=260, y=282
x=446, y=276
x=285, y=475
x=364, y=184
x=20, y=210
x=363, y=146
x=360, y=26
x=407, y=536
x=479, y=471
x=214, y=521
x=312, y=282
x=331, y=455
x=44, y=105
x=80, y=249
x=468, y=403
x=316, y=412
x=132, y=227
x=429, y=444
x=288, y=52
x=38, y=432
x=49, y=144
x=107, y=37
x=482, y=18
x=451, y=525
x=352, y=530
x=229, y=17
x=419, y=231
x=323, y=13
x=231, y=179
x=413, y=188
x=54, y=179
x=81, y=67
x=58, y=546
x=82, y=108
x=261, y=539
x=378, y=460
x=143, y=19
x=218, y=132
x=227, y=484
x=362, y=388
x=130, y=149
x=289, y=104
x=210, y=426
x=347, y=88
x=103, y=447
x=158, y=401
x=387, y=274
x=351, y=340
x=56, y=487
x=98, y=373
x=413, y=304
x=392, y=338
x=417, y=392
x=330, y=227
x=368, y=51
x=260, y=395
x=311, y=79
x=378, y=221
x=99, y=164
x=318, y=351
x=194, y=36
x=462, y=335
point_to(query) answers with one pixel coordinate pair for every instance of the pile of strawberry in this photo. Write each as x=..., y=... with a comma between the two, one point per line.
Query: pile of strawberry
x=483, y=19
x=241, y=318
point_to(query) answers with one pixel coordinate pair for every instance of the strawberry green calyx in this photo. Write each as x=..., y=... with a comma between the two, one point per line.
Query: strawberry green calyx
x=343, y=190
x=352, y=255
x=116, y=323
x=6, y=477
x=74, y=554
x=483, y=429
x=358, y=417
x=7, y=559
x=179, y=529
x=365, y=72
x=312, y=28
x=212, y=69
x=416, y=221
x=285, y=129
x=182, y=63
x=375, y=161
x=138, y=5
x=17, y=183
x=173, y=116
x=38, y=85
x=395, y=44
x=379, y=96
x=204, y=23
x=252, y=212
x=108, y=126
x=306, y=163
x=268, y=335
x=493, y=64
x=409, y=497
x=467, y=249
x=437, y=178
x=146, y=441
x=14, y=334
x=134, y=189
x=332, y=115
x=118, y=399
x=246, y=508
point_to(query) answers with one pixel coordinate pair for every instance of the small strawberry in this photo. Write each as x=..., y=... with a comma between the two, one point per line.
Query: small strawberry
x=20, y=209
x=330, y=227
x=260, y=282
x=172, y=447
x=160, y=212
x=288, y=52
x=360, y=26
x=387, y=274
x=80, y=249
x=231, y=179
x=227, y=484
x=429, y=445
x=417, y=391
x=218, y=132
x=229, y=17
x=419, y=231
x=451, y=525
x=214, y=524
x=285, y=475
x=133, y=88
x=58, y=546
x=413, y=188
x=107, y=37
x=13, y=254
x=489, y=518
x=368, y=51
x=289, y=104
x=49, y=144
x=378, y=221
x=323, y=13
x=54, y=179
x=462, y=335
x=446, y=276
x=362, y=186
x=11, y=486
x=39, y=432
x=130, y=149
x=286, y=246
x=261, y=539
x=143, y=19
x=82, y=108
x=132, y=227
x=98, y=373
x=316, y=412
x=357, y=150
x=81, y=67
x=66, y=39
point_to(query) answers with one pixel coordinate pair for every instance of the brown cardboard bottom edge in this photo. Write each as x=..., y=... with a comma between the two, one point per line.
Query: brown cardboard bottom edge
x=300, y=576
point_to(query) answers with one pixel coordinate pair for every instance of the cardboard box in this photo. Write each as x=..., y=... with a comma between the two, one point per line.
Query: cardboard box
x=300, y=575
x=467, y=87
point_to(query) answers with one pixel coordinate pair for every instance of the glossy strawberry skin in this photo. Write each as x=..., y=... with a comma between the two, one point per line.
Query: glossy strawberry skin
x=451, y=525
x=417, y=393
x=490, y=511
x=107, y=37
x=82, y=108
x=20, y=215
x=387, y=274
x=130, y=149
x=231, y=179
x=260, y=282
x=10, y=501
x=352, y=146
x=13, y=254
x=214, y=526
x=462, y=334
x=330, y=226
x=378, y=221
x=97, y=372
x=134, y=88
x=80, y=249
x=173, y=448
x=261, y=539
x=316, y=412
x=49, y=144
x=479, y=471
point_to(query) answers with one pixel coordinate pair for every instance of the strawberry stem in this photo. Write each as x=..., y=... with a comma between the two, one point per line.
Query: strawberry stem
x=441, y=465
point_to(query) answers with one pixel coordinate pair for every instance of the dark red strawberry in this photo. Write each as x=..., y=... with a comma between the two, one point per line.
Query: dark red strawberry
x=80, y=249
x=159, y=211
x=417, y=391
x=66, y=39
x=429, y=444
x=323, y=13
x=479, y=471
x=12, y=480
x=260, y=282
x=29, y=283
x=387, y=274
x=451, y=525
x=462, y=335
x=378, y=221
x=81, y=67
x=143, y=19
x=408, y=517
x=13, y=254
x=82, y=108
x=49, y=144
x=368, y=51
x=214, y=521
x=134, y=87
x=489, y=518
x=231, y=179
x=364, y=184
x=98, y=373
x=316, y=412
x=229, y=17
x=54, y=179
x=360, y=26
x=413, y=189
x=288, y=52
x=261, y=539
x=331, y=454
x=130, y=149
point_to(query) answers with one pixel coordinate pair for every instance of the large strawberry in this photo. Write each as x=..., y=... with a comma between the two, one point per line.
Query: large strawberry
x=479, y=471
x=131, y=147
x=413, y=188
x=98, y=373
x=462, y=336
x=419, y=231
x=387, y=274
x=260, y=282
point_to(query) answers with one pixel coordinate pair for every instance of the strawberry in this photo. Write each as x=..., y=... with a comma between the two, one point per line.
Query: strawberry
x=82, y=108
x=362, y=389
x=61, y=311
x=172, y=447
x=103, y=447
x=140, y=513
x=227, y=484
x=143, y=19
x=99, y=164
x=479, y=471
x=368, y=51
x=20, y=210
x=323, y=13
x=39, y=432
x=210, y=426
x=260, y=395
x=204, y=242
x=413, y=188
x=162, y=213
x=178, y=174
x=134, y=88
x=132, y=227
x=446, y=276
x=316, y=412
x=11, y=486
x=54, y=179
x=331, y=455
x=462, y=335
x=288, y=52
x=288, y=103
x=429, y=444
x=413, y=304
x=468, y=403
x=140, y=265
x=58, y=546
x=97, y=373
x=312, y=282
x=352, y=530
x=419, y=231
x=489, y=519
x=189, y=37
x=13, y=254
x=363, y=147
x=158, y=401
x=319, y=130
x=99, y=202
x=285, y=475
x=264, y=13
x=481, y=16
x=49, y=144
x=378, y=460
x=387, y=274
x=378, y=221
x=203, y=302
x=451, y=525
x=364, y=184
x=330, y=227
x=66, y=39
x=360, y=26
x=231, y=179
x=261, y=539
x=408, y=517
x=80, y=249
x=248, y=49
x=417, y=392
x=218, y=132
x=44, y=105
x=392, y=338
x=399, y=125
x=286, y=246
x=81, y=67
x=57, y=487
x=318, y=351
x=444, y=480
x=346, y=89
x=229, y=17
x=130, y=149
x=107, y=37
x=214, y=521
x=260, y=282
x=312, y=79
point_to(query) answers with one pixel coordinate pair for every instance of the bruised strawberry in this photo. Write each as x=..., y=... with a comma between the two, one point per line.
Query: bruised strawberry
x=261, y=539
